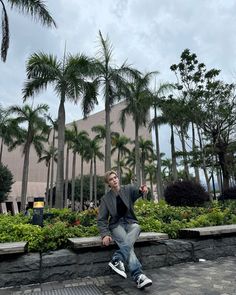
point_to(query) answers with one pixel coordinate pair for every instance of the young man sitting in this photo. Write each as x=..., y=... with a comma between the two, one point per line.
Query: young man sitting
x=117, y=221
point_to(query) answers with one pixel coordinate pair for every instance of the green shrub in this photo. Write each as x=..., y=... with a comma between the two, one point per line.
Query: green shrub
x=64, y=224
x=186, y=193
x=6, y=181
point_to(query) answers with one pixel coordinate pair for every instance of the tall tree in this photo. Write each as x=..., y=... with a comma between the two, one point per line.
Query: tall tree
x=69, y=78
x=150, y=172
x=137, y=105
x=9, y=130
x=119, y=143
x=36, y=8
x=157, y=96
x=35, y=134
x=48, y=156
x=146, y=153
x=111, y=79
x=94, y=153
x=79, y=144
x=54, y=128
x=212, y=105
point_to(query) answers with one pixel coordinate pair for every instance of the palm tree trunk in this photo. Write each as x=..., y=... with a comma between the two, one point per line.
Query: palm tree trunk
x=160, y=190
x=52, y=169
x=91, y=181
x=60, y=162
x=1, y=151
x=173, y=155
x=48, y=178
x=95, y=182
x=203, y=159
x=151, y=184
x=184, y=152
x=82, y=184
x=142, y=168
x=224, y=169
x=137, y=157
x=73, y=182
x=194, y=148
x=67, y=175
x=25, y=176
x=118, y=167
x=108, y=134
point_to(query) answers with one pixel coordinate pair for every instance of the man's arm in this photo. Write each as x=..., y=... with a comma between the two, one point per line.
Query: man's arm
x=138, y=192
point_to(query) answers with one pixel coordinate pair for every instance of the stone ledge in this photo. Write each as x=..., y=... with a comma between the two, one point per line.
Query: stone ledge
x=13, y=247
x=208, y=231
x=66, y=264
x=89, y=242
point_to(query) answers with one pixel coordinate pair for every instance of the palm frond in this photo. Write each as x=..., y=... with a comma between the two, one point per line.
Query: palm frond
x=5, y=33
x=36, y=8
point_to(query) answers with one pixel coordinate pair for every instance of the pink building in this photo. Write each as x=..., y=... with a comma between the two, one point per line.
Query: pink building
x=38, y=171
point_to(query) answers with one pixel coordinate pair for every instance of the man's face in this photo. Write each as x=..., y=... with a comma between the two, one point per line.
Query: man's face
x=113, y=182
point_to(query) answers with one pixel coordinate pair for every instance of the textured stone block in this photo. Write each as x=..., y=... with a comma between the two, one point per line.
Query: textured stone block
x=58, y=258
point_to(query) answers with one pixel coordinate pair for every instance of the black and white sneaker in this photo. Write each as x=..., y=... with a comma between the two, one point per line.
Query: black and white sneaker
x=118, y=267
x=143, y=282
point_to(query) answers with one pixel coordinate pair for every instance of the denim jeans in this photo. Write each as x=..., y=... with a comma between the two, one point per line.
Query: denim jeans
x=125, y=235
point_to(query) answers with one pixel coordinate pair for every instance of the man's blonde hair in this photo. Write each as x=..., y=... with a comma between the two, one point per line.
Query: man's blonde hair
x=107, y=175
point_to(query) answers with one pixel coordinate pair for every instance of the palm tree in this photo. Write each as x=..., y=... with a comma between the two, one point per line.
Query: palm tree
x=9, y=130
x=130, y=162
x=54, y=126
x=78, y=144
x=84, y=157
x=68, y=141
x=69, y=80
x=48, y=156
x=94, y=153
x=150, y=171
x=36, y=8
x=146, y=152
x=138, y=102
x=111, y=79
x=157, y=98
x=35, y=134
x=119, y=143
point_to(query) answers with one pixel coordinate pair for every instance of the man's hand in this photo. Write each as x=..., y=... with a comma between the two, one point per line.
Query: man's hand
x=143, y=188
x=106, y=240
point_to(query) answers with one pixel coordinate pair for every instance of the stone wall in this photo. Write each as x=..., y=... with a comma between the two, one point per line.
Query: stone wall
x=66, y=264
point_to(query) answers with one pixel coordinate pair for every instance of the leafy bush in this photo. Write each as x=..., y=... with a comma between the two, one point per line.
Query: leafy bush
x=6, y=181
x=63, y=224
x=186, y=193
x=229, y=194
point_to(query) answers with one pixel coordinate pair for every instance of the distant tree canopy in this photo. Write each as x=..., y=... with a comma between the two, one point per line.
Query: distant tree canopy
x=6, y=181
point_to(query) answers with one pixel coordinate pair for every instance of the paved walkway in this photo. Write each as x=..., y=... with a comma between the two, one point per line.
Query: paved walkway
x=203, y=278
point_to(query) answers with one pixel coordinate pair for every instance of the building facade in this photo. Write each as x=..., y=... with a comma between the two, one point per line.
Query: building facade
x=38, y=171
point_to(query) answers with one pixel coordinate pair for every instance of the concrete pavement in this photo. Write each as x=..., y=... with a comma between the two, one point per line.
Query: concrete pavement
x=216, y=277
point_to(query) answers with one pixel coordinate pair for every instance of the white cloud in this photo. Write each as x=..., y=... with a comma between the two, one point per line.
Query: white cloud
x=150, y=34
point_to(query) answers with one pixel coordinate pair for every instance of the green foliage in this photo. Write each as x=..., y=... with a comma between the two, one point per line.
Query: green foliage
x=6, y=181
x=63, y=224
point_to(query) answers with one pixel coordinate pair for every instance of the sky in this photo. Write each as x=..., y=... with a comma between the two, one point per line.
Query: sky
x=149, y=34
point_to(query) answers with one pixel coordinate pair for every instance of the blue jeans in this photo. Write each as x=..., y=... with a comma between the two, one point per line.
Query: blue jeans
x=125, y=235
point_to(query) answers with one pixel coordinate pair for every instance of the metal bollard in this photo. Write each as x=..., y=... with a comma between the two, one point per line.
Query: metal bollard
x=38, y=211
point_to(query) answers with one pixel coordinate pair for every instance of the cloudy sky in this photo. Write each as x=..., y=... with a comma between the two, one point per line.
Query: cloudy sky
x=149, y=34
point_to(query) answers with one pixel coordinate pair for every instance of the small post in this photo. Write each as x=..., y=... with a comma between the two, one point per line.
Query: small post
x=38, y=211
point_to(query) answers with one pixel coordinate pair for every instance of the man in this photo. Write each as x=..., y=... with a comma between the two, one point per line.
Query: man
x=117, y=221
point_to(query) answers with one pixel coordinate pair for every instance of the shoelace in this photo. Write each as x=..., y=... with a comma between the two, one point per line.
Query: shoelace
x=141, y=279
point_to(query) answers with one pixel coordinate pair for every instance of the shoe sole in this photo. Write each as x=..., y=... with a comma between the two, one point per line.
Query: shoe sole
x=145, y=285
x=119, y=272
